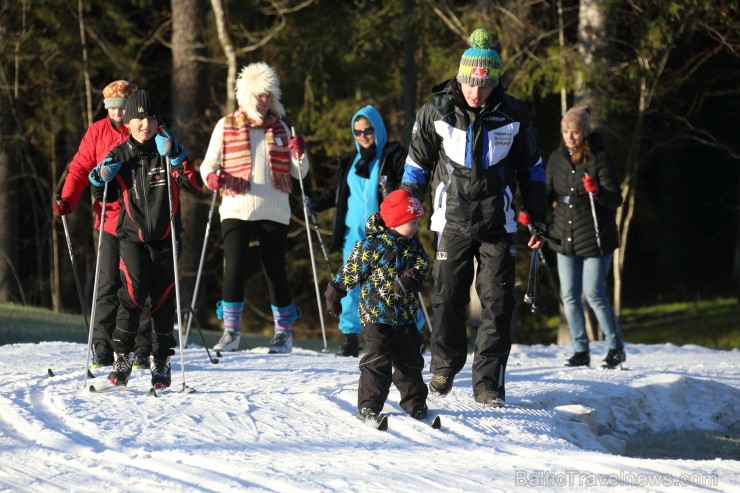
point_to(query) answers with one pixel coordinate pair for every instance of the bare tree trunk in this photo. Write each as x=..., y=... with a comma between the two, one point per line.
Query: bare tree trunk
x=57, y=282
x=736, y=258
x=592, y=28
x=592, y=39
x=409, y=72
x=563, y=92
x=8, y=224
x=224, y=37
x=592, y=42
x=187, y=35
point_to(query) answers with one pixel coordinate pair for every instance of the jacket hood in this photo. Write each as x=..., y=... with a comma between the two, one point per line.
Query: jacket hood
x=376, y=121
x=375, y=225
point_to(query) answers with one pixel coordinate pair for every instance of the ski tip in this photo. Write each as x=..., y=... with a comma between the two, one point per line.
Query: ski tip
x=383, y=423
x=90, y=374
x=50, y=372
x=218, y=353
x=437, y=423
x=153, y=392
x=92, y=389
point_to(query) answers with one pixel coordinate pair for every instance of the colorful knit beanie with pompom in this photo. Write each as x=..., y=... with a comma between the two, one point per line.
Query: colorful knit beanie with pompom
x=480, y=65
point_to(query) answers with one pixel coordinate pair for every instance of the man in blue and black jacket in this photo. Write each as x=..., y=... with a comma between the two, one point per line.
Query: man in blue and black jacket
x=475, y=143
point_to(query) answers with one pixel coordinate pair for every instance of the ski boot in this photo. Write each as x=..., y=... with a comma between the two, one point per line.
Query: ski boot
x=141, y=361
x=282, y=343
x=372, y=418
x=121, y=369
x=231, y=313
x=161, y=373
x=229, y=341
x=419, y=412
x=284, y=317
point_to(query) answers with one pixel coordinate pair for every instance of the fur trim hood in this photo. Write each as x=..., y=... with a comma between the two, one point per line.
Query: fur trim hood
x=255, y=79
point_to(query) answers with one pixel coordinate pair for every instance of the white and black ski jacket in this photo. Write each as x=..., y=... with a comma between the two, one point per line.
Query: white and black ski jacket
x=475, y=158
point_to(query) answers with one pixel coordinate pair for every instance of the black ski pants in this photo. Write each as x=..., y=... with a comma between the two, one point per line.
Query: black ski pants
x=393, y=356
x=147, y=271
x=273, y=239
x=453, y=274
x=106, y=303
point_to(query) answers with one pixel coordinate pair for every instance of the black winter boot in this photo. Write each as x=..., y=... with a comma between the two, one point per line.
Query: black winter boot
x=579, y=359
x=351, y=346
x=614, y=358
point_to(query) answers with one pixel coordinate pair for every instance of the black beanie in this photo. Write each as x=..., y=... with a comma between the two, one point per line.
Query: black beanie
x=141, y=104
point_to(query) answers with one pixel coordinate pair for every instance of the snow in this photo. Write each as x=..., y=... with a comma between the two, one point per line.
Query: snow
x=284, y=423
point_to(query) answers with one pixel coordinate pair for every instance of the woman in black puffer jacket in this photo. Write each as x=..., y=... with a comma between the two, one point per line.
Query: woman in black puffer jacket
x=580, y=168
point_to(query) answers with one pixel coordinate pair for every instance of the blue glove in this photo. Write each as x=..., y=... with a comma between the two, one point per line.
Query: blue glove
x=104, y=172
x=168, y=146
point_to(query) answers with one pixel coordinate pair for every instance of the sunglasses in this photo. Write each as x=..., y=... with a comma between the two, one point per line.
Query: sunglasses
x=366, y=132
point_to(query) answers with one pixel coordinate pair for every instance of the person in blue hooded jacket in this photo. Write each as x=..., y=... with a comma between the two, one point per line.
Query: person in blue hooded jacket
x=365, y=176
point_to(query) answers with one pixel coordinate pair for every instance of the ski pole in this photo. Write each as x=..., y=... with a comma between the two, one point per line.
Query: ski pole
x=425, y=312
x=321, y=241
x=197, y=325
x=596, y=221
x=601, y=251
x=74, y=266
x=549, y=275
x=185, y=388
x=531, y=296
x=95, y=284
x=310, y=246
x=200, y=266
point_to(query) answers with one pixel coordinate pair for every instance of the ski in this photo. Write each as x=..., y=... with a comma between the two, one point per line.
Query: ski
x=157, y=389
x=381, y=422
x=620, y=366
x=51, y=373
x=107, y=387
x=433, y=421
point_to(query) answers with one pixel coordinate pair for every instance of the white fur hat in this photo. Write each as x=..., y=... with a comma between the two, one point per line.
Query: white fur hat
x=255, y=79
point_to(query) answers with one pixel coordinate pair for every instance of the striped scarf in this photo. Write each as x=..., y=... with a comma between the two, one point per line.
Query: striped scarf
x=237, y=157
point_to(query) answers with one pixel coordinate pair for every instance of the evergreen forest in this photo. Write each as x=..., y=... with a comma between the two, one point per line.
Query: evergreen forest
x=661, y=77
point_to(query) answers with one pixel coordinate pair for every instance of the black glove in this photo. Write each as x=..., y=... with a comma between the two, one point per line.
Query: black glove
x=310, y=204
x=333, y=296
x=409, y=282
